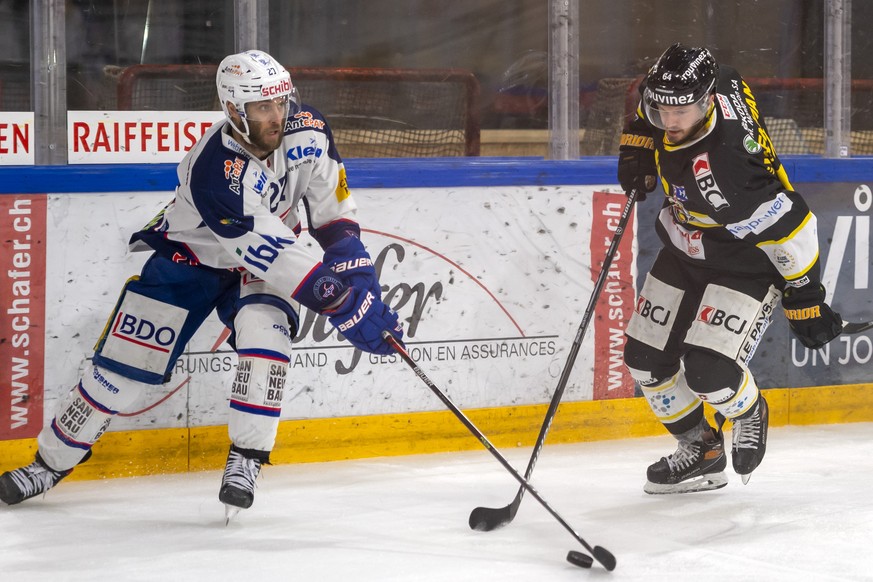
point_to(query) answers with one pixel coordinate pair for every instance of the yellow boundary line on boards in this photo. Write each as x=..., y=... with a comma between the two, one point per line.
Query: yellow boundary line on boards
x=177, y=450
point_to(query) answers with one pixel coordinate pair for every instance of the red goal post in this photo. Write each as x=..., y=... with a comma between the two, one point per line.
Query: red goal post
x=372, y=112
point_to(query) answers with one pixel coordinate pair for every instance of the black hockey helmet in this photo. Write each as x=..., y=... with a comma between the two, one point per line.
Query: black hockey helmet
x=683, y=76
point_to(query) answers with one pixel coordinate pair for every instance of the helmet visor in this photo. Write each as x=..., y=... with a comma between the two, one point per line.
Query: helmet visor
x=267, y=110
x=675, y=112
x=270, y=109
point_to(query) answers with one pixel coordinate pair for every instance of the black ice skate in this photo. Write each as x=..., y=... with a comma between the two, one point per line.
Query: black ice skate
x=749, y=439
x=238, y=484
x=29, y=481
x=695, y=466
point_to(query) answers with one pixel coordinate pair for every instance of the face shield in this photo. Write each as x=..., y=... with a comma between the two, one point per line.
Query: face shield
x=268, y=110
x=271, y=109
x=672, y=112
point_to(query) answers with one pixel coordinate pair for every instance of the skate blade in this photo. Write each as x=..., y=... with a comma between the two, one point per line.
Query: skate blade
x=707, y=482
x=230, y=512
x=746, y=478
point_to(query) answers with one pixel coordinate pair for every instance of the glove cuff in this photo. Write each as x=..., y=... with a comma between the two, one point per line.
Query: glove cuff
x=320, y=289
x=809, y=293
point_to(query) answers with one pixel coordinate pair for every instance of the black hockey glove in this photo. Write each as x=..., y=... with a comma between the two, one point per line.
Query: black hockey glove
x=636, y=164
x=809, y=317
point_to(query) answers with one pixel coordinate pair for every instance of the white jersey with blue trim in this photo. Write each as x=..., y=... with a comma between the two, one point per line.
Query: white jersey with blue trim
x=233, y=210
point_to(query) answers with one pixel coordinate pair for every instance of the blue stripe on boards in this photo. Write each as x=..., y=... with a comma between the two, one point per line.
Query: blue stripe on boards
x=399, y=173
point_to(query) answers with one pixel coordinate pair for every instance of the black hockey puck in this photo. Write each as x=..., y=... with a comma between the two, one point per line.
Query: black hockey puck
x=579, y=559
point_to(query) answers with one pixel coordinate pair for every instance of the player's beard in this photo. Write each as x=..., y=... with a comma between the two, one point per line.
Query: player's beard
x=265, y=136
x=678, y=136
x=683, y=136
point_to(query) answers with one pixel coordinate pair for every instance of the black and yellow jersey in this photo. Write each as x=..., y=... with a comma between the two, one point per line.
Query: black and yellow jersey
x=729, y=204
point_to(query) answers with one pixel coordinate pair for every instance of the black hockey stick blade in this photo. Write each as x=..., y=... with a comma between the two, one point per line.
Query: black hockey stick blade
x=491, y=518
x=605, y=557
x=857, y=327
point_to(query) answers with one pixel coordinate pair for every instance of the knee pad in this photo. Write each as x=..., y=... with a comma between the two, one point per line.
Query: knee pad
x=264, y=348
x=84, y=415
x=725, y=384
x=707, y=371
x=647, y=365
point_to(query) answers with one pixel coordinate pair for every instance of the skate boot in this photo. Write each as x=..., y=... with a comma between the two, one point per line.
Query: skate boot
x=695, y=466
x=749, y=439
x=238, y=484
x=29, y=481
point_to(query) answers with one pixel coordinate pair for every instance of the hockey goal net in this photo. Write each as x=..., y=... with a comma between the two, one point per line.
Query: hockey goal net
x=372, y=112
x=794, y=113
x=14, y=87
x=793, y=110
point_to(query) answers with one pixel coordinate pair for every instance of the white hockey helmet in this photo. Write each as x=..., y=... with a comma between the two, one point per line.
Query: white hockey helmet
x=253, y=76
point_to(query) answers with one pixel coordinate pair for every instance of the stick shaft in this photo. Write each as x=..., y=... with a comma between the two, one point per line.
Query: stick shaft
x=481, y=437
x=577, y=342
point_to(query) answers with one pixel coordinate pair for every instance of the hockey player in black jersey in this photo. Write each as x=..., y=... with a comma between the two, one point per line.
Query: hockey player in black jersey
x=736, y=238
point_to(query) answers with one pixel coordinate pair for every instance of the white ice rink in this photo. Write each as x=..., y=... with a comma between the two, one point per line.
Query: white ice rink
x=806, y=514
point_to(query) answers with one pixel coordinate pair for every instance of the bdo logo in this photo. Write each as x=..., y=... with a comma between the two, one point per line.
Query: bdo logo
x=143, y=332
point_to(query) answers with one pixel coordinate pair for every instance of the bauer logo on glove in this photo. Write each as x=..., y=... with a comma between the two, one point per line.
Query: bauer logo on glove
x=349, y=259
x=362, y=318
x=343, y=266
x=357, y=317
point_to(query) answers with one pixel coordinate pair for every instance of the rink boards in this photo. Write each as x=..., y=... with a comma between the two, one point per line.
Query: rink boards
x=491, y=281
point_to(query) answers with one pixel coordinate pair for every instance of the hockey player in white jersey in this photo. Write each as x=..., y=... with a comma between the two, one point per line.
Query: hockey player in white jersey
x=227, y=243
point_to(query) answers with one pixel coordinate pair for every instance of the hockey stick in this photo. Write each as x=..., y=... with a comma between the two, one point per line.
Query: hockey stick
x=601, y=554
x=490, y=518
x=857, y=327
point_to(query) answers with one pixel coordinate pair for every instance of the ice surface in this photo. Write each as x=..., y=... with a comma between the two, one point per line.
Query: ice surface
x=806, y=514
